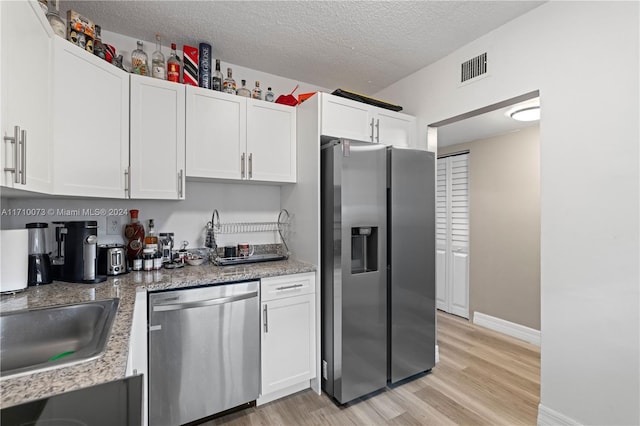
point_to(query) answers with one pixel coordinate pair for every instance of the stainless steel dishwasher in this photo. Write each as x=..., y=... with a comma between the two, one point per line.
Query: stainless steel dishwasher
x=204, y=351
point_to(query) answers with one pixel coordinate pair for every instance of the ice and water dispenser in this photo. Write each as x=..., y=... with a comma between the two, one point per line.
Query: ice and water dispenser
x=364, y=249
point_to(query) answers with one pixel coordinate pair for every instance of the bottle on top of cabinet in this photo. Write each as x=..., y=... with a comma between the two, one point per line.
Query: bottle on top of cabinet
x=158, y=67
x=229, y=84
x=257, y=92
x=174, y=66
x=269, y=96
x=243, y=91
x=217, y=78
x=139, y=61
x=98, y=47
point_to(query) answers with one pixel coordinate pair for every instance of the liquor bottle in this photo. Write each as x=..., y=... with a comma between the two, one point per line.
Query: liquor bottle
x=257, y=91
x=174, y=65
x=151, y=240
x=139, y=61
x=269, y=96
x=217, y=77
x=53, y=16
x=134, y=233
x=229, y=84
x=243, y=91
x=98, y=47
x=158, y=66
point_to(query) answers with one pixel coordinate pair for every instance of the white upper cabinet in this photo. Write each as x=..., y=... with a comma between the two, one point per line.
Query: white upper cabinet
x=271, y=142
x=344, y=118
x=25, y=55
x=216, y=134
x=157, y=139
x=231, y=137
x=349, y=119
x=90, y=123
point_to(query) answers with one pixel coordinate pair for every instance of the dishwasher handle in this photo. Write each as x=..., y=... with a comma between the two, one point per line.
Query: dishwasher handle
x=203, y=303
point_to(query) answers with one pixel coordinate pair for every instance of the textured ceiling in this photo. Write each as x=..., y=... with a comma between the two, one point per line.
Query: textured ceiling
x=362, y=46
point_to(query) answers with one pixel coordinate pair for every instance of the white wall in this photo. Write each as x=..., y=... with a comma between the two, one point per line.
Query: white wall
x=584, y=59
x=186, y=219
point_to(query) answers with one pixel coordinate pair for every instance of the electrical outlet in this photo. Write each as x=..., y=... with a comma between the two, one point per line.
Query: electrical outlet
x=114, y=226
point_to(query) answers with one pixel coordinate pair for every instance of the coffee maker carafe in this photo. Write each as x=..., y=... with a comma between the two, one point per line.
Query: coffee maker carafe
x=80, y=244
x=39, y=270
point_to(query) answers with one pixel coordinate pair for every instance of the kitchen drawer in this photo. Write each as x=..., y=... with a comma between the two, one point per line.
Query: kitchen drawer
x=287, y=286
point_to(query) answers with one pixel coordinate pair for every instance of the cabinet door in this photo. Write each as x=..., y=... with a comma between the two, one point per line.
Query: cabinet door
x=26, y=77
x=271, y=141
x=157, y=139
x=90, y=123
x=216, y=134
x=288, y=342
x=345, y=118
x=395, y=129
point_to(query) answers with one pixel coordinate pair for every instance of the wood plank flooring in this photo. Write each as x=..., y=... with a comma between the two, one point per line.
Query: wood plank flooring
x=482, y=378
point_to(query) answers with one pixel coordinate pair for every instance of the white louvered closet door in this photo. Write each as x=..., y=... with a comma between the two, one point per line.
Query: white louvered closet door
x=452, y=235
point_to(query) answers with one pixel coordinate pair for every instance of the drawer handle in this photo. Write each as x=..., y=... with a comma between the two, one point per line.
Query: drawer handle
x=266, y=321
x=288, y=287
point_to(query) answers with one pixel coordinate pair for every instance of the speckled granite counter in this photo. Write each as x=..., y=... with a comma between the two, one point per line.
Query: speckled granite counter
x=112, y=364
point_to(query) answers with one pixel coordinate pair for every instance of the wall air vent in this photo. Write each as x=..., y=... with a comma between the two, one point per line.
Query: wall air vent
x=473, y=68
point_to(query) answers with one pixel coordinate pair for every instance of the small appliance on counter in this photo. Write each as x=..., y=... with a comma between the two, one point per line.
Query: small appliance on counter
x=14, y=264
x=112, y=259
x=79, y=256
x=39, y=261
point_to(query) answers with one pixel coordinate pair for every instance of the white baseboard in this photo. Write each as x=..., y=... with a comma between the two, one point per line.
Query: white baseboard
x=283, y=392
x=549, y=417
x=506, y=327
x=437, y=354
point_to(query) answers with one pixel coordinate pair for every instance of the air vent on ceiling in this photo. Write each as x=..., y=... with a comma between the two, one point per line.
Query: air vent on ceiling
x=473, y=68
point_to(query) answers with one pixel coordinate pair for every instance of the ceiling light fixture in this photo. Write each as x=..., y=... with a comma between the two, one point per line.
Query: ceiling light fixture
x=526, y=114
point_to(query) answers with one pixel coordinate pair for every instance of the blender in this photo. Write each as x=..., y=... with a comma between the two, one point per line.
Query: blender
x=39, y=270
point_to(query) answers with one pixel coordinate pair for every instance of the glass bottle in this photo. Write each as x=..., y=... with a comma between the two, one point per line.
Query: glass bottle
x=217, y=78
x=229, y=84
x=174, y=66
x=257, y=92
x=117, y=61
x=98, y=47
x=243, y=91
x=158, y=66
x=53, y=16
x=151, y=240
x=134, y=233
x=269, y=96
x=139, y=61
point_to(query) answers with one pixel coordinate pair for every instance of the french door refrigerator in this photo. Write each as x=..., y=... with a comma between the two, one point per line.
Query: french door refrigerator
x=377, y=266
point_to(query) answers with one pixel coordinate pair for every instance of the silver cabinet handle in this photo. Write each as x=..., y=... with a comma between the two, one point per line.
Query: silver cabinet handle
x=180, y=178
x=203, y=303
x=371, y=124
x=250, y=165
x=126, y=181
x=265, y=321
x=289, y=287
x=14, y=140
x=378, y=130
x=242, y=166
x=23, y=168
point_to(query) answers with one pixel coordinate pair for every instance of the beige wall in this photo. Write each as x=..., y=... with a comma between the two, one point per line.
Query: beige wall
x=504, y=269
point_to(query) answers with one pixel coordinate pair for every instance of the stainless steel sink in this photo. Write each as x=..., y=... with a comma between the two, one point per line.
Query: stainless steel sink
x=46, y=338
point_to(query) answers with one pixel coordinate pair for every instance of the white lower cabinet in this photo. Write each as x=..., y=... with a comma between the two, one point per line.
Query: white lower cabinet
x=288, y=338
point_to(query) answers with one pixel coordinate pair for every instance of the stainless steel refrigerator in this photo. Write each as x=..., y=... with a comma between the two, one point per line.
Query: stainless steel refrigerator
x=378, y=266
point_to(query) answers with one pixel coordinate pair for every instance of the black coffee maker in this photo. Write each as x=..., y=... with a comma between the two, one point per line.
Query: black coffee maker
x=79, y=242
x=39, y=271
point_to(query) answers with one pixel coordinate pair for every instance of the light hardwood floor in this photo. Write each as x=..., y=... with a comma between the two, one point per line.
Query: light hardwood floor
x=482, y=378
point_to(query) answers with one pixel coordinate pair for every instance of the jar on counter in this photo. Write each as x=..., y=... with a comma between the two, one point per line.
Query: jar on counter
x=137, y=263
x=147, y=260
x=157, y=261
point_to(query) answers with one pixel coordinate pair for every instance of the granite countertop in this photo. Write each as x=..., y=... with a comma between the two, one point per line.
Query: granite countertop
x=112, y=364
